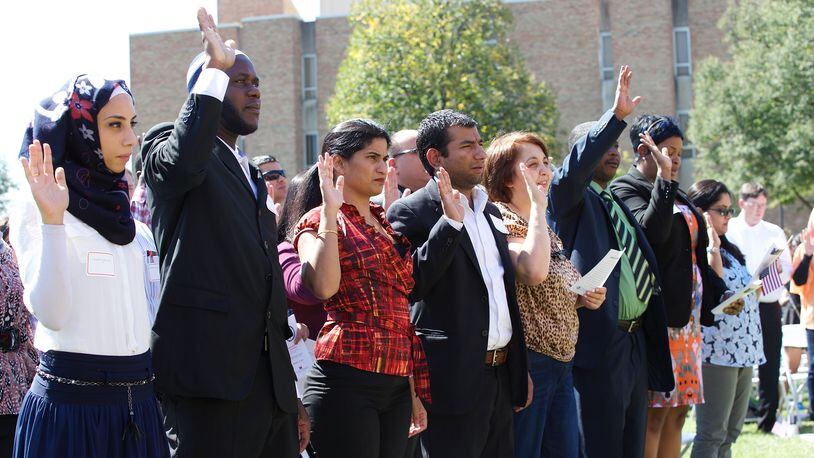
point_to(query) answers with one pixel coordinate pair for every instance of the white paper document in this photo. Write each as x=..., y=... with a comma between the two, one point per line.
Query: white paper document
x=747, y=290
x=301, y=357
x=598, y=275
x=768, y=259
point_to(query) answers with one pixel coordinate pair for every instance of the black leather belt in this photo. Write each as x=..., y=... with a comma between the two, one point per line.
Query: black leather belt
x=496, y=357
x=630, y=326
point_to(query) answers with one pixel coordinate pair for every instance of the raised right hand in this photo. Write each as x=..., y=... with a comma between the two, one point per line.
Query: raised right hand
x=332, y=197
x=450, y=198
x=662, y=158
x=218, y=54
x=537, y=193
x=712, y=234
x=48, y=187
x=623, y=105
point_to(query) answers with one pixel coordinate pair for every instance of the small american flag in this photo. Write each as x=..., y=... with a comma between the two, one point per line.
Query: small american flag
x=771, y=279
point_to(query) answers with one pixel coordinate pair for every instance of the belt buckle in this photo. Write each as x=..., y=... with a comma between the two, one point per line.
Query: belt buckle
x=494, y=358
x=630, y=326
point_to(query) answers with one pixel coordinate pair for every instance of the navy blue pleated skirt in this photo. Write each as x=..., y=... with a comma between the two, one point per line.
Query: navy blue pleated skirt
x=63, y=420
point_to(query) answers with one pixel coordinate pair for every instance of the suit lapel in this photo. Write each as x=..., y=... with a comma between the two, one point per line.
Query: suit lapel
x=229, y=160
x=502, y=248
x=466, y=242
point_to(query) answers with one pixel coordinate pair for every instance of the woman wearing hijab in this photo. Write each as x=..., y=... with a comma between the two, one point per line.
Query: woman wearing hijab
x=86, y=272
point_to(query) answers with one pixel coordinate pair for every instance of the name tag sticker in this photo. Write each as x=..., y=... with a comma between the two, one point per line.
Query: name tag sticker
x=498, y=222
x=100, y=264
x=153, y=274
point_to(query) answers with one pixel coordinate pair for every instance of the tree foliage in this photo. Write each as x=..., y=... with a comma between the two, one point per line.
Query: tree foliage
x=753, y=118
x=6, y=185
x=408, y=58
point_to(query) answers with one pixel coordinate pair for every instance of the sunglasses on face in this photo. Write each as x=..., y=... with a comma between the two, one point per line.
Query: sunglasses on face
x=273, y=175
x=724, y=211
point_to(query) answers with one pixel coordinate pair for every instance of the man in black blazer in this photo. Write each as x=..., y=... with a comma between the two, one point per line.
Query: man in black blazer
x=464, y=303
x=222, y=367
x=622, y=348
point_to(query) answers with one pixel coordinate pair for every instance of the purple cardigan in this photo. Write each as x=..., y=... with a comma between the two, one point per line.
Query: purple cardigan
x=307, y=307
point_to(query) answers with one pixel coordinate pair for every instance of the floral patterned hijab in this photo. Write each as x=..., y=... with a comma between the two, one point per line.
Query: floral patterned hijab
x=67, y=122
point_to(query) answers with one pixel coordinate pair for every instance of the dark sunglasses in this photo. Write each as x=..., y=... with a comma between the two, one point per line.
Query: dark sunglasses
x=273, y=175
x=724, y=211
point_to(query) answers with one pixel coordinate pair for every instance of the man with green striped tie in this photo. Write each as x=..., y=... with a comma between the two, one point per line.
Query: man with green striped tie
x=622, y=348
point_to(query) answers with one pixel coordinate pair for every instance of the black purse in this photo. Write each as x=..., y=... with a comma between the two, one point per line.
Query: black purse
x=9, y=339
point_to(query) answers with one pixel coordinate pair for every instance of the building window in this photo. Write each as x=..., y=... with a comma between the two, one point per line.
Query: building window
x=606, y=69
x=309, y=117
x=688, y=152
x=309, y=76
x=311, y=151
x=682, y=51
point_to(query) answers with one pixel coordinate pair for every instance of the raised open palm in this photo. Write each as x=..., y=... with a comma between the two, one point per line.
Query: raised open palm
x=661, y=156
x=537, y=193
x=450, y=198
x=219, y=54
x=624, y=105
x=331, y=193
x=47, y=186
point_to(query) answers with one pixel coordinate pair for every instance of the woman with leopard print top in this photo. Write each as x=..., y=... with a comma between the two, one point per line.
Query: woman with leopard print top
x=516, y=175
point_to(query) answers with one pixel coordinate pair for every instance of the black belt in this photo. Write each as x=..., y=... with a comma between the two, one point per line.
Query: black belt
x=630, y=326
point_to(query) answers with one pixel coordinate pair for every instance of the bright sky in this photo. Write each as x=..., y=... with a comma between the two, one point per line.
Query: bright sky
x=56, y=39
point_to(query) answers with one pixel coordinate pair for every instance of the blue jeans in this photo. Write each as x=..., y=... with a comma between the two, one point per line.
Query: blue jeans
x=535, y=432
x=810, y=338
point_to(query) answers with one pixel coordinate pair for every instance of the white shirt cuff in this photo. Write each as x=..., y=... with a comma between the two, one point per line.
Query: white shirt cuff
x=212, y=82
x=456, y=224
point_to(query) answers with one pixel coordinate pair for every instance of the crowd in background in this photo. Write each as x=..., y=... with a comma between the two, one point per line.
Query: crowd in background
x=432, y=278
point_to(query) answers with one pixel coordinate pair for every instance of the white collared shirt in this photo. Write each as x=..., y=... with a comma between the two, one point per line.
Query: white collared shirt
x=87, y=293
x=754, y=242
x=243, y=162
x=214, y=82
x=491, y=267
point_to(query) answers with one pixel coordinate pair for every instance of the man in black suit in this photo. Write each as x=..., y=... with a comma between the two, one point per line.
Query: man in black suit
x=464, y=303
x=622, y=348
x=222, y=368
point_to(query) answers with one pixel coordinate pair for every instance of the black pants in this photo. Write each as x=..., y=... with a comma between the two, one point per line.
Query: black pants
x=252, y=427
x=769, y=372
x=485, y=432
x=8, y=424
x=613, y=399
x=355, y=413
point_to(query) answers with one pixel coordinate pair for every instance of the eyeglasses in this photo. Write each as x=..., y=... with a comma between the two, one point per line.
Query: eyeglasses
x=273, y=175
x=724, y=211
x=407, y=151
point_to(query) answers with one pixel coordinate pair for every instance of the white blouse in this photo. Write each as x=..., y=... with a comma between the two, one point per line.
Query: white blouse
x=87, y=293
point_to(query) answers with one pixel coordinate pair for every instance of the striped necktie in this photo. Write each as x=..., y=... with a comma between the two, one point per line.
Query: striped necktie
x=641, y=270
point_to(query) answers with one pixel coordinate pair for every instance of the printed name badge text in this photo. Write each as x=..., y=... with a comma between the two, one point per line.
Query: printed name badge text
x=100, y=264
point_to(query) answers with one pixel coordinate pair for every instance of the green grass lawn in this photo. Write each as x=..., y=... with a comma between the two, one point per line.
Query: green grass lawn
x=754, y=444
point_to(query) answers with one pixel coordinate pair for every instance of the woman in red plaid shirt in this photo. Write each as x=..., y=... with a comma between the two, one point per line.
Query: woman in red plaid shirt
x=364, y=395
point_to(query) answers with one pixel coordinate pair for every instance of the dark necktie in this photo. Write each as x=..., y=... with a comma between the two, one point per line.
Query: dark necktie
x=641, y=270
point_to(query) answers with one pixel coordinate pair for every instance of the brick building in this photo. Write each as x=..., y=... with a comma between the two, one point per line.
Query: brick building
x=574, y=45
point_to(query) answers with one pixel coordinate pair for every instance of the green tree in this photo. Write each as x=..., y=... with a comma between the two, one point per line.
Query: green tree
x=754, y=114
x=6, y=185
x=408, y=58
